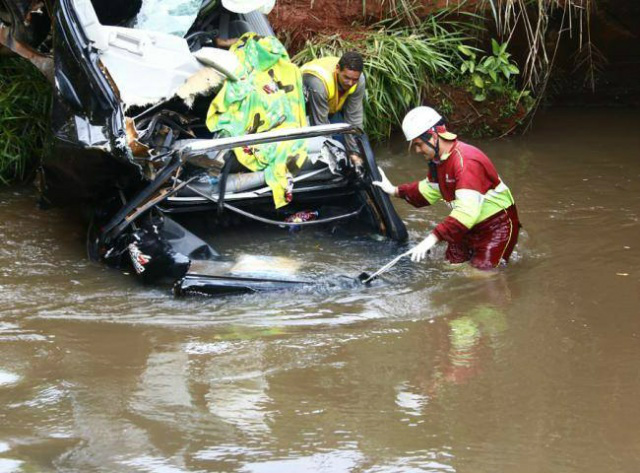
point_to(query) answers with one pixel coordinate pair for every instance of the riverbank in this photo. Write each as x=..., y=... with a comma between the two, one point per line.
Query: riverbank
x=431, y=54
x=575, y=52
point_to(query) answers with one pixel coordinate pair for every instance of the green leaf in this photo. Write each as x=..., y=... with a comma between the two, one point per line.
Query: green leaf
x=464, y=67
x=466, y=51
x=477, y=81
x=495, y=47
x=503, y=48
x=514, y=69
x=488, y=61
x=494, y=76
x=480, y=97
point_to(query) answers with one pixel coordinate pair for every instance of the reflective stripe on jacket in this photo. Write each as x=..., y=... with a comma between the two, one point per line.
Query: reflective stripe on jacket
x=467, y=180
x=325, y=70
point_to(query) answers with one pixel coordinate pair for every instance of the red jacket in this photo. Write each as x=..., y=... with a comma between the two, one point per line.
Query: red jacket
x=467, y=179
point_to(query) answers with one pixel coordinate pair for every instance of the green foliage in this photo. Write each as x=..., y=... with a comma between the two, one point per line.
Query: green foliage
x=538, y=18
x=25, y=98
x=445, y=107
x=491, y=73
x=401, y=64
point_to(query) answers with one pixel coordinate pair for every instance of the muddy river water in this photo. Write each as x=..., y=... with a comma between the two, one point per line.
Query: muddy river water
x=534, y=369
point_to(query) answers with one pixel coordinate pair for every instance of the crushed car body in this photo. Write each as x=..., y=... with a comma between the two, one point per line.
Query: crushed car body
x=132, y=139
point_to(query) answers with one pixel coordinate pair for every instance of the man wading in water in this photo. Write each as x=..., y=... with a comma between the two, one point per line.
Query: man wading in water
x=483, y=226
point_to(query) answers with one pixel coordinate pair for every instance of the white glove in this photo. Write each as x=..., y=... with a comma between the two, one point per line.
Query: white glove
x=419, y=251
x=385, y=184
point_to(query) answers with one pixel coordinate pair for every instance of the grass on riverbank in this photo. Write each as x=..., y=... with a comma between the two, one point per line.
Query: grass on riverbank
x=535, y=27
x=400, y=65
x=25, y=98
x=406, y=67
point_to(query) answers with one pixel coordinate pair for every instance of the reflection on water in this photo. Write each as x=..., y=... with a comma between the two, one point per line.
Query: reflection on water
x=8, y=378
x=429, y=369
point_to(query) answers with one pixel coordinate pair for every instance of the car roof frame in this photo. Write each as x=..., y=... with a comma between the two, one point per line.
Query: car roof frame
x=198, y=147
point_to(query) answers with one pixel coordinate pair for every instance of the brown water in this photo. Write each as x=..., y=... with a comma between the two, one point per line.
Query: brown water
x=536, y=369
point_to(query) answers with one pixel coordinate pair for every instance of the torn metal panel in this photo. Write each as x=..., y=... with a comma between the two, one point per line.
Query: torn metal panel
x=36, y=8
x=90, y=135
x=249, y=273
x=42, y=62
x=137, y=148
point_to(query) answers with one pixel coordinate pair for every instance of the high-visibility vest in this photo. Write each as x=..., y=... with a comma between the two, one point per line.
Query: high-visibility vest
x=325, y=70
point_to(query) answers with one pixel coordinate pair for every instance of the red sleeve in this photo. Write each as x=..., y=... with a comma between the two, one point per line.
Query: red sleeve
x=411, y=193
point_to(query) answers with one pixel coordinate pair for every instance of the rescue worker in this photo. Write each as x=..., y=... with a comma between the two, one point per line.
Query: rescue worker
x=334, y=89
x=483, y=226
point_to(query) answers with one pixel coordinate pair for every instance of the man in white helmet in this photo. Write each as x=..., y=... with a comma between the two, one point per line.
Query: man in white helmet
x=483, y=226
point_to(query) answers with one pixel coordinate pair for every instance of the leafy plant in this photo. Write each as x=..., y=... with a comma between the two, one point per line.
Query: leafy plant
x=540, y=20
x=25, y=98
x=401, y=64
x=445, y=107
x=490, y=73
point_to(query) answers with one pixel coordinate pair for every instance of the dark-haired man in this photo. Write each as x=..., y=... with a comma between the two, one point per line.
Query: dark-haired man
x=335, y=93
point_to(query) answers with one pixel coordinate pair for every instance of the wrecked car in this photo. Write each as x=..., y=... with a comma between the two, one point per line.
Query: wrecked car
x=133, y=140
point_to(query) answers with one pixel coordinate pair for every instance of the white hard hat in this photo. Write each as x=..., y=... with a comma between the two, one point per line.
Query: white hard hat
x=418, y=121
x=246, y=6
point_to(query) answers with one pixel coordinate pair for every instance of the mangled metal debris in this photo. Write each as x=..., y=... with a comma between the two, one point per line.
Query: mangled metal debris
x=131, y=143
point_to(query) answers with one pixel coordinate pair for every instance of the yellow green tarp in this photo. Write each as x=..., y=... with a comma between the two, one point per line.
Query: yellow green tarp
x=268, y=96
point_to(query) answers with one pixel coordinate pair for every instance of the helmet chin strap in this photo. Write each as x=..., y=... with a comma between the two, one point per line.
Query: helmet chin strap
x=436, y=149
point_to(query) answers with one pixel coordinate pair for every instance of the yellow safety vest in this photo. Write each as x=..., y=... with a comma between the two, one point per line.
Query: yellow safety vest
x=325, y=70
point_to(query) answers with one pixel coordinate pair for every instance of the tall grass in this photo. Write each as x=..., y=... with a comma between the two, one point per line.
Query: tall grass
x=25, y=98
x=401, y=63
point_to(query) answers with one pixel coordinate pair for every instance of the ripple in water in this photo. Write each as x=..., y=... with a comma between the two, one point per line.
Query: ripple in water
x=7, y=378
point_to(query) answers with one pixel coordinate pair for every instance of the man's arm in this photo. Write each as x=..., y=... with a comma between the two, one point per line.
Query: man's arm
x=317, y=101
x=353, y=113
x=419, y=193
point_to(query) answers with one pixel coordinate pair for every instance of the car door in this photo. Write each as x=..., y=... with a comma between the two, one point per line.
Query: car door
x=89, y=158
